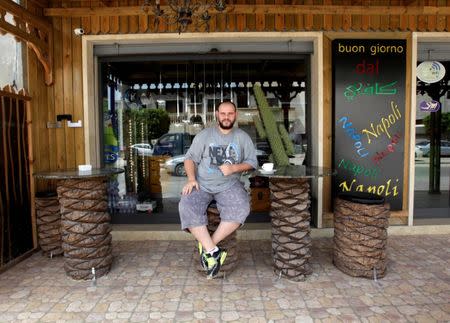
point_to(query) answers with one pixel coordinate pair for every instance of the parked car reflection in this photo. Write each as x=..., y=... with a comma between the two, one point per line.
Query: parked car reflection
x=422, y=149
x=418, y=152
x=173, y=144
x=143, y=149
x=175, y=166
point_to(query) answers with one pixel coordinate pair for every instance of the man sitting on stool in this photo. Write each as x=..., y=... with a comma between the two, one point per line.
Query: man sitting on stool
x=214, y=162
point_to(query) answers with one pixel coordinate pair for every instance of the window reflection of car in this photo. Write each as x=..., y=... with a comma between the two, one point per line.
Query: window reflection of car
x=175, y=166
x=143, y=149
x=418, y=152
x=172, y=144
x=445, y=149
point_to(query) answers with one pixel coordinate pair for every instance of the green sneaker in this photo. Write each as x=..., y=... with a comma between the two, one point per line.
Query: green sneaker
x=203, y=261
x=214, y=262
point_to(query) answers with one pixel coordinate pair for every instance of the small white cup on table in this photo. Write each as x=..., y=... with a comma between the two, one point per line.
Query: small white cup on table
x=268, y=167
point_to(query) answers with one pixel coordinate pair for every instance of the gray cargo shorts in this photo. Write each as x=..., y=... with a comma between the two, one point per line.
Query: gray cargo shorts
x=233, y=205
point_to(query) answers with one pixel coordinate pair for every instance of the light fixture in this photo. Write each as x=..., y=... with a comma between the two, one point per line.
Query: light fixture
x=183, y=13
x=177, y=86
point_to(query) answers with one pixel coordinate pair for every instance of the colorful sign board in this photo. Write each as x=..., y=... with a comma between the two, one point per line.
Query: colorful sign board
x=369, y=78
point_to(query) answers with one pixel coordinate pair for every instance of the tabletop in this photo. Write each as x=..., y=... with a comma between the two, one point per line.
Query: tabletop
x=76, y=174
x=296, y=171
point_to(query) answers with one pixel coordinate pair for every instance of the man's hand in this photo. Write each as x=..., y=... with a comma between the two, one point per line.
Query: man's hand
x=187, y=188
x=227, y=169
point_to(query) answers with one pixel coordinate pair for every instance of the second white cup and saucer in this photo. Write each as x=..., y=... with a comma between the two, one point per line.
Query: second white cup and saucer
x=267, y=168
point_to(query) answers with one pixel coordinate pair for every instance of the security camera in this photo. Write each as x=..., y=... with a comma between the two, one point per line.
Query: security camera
x=78, y=31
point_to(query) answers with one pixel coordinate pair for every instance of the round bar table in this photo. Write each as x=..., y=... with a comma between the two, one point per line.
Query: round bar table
x=85, y=221
x=290, y=217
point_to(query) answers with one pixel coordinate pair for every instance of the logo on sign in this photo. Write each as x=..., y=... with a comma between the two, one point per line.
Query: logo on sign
x=430, y=71
x=432, y=106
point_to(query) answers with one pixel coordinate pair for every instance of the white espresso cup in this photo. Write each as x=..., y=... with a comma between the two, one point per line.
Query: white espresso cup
x=268, y=167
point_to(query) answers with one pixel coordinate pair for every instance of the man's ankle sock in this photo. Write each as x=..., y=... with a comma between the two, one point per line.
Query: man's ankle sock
x=211, y=252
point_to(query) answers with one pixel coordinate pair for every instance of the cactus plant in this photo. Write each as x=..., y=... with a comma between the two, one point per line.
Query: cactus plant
x=259, y=128
x=273, y=135
x=286, y=140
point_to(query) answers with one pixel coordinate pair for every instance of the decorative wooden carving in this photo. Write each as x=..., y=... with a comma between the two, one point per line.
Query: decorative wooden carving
x=291, y=240
x=33, y=30
x=86, y=227
x=360, y=238
x=10, y=91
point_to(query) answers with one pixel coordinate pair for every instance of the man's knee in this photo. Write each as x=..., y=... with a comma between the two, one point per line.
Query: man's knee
x=235, y=213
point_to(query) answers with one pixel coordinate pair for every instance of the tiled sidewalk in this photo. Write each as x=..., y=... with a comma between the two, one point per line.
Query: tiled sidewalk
x=157, y=281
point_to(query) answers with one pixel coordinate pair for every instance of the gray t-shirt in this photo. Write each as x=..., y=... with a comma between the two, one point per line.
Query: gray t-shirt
x=211, y=148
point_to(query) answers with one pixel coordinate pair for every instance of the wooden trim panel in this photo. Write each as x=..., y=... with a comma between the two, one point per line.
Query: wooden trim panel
x=265, y=9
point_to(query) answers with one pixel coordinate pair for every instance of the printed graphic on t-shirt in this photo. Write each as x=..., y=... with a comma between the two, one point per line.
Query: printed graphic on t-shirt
x=220, y=155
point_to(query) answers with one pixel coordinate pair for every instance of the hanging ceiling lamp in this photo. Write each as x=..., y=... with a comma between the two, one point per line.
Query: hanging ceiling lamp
x=183, y=13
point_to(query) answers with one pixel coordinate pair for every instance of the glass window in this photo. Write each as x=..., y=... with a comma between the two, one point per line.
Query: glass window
x=159, y=106
x=11, y=59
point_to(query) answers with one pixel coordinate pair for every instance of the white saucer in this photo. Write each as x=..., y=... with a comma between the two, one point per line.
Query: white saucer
x=267, y=172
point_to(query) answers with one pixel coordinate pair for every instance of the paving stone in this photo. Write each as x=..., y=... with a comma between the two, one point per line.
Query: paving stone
x=158, y=281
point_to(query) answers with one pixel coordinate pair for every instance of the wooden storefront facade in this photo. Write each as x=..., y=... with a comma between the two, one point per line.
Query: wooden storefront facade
x=59, y=87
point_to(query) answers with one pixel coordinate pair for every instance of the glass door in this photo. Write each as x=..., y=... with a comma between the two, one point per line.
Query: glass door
x=432, y=150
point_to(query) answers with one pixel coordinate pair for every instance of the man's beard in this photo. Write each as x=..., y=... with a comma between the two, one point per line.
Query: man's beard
x=224, y=127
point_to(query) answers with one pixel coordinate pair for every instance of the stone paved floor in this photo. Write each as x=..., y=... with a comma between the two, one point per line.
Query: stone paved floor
x=158, y=281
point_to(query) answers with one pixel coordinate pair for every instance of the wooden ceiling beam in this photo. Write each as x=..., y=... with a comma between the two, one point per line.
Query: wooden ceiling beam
x=261, y=9
x=38, y=3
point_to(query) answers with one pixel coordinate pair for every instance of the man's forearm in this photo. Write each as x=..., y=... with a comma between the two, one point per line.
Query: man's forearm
x=239, y=168
x=189, y=167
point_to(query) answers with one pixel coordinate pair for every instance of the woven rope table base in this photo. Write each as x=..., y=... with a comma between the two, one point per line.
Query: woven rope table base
x=86, y=227
x=48, y=220
x=360, y=238
x=291, y=240
x=229, y=243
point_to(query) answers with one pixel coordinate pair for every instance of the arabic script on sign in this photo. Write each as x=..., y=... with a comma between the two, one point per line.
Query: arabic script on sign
x=353, y=90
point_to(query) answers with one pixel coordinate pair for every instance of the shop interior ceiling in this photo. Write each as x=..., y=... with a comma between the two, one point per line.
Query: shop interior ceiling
x=282, y=72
